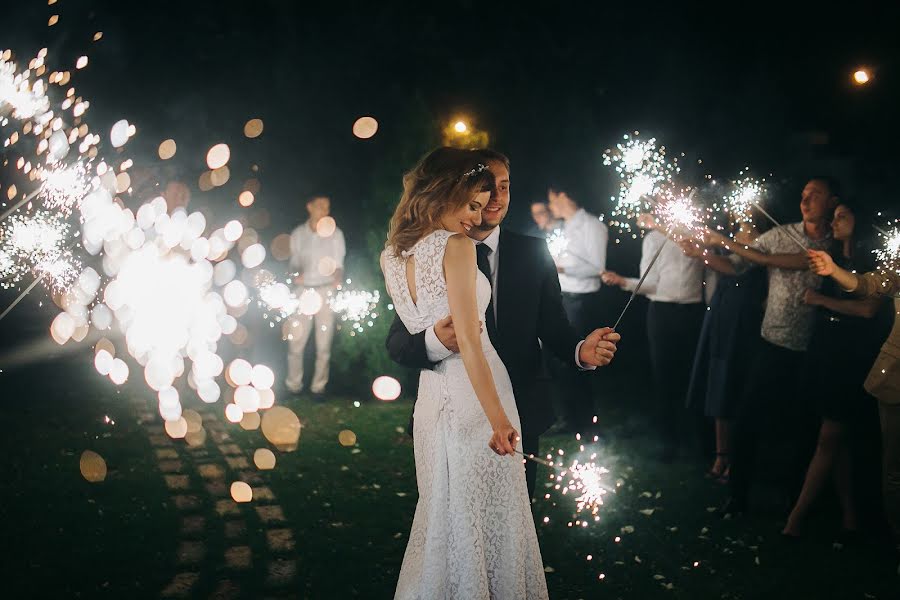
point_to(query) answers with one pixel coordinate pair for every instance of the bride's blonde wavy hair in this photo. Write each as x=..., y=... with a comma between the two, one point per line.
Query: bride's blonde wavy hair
x=443, y=181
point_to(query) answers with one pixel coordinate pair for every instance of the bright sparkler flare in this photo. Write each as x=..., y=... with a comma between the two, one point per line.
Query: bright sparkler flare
x=747, y=192
x=643, y=168
x=27, y=100
x=584, y=479
x=63, y=189
x=36, y=244
x=889, y=254
x=355, y=307
x=680, y=217
x=587, y=481
x=557, y=243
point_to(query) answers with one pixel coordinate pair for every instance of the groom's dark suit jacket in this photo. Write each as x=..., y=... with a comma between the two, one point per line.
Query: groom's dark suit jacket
x=529, y=306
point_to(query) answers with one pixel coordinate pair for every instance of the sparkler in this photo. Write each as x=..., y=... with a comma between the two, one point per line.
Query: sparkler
x=39, y=243
x=582, y=478
x=889, y=254
x=557, y=243
x=355, y=307
x=777, y=224
x=746, y=193
x=63, y=189
x=640, y=283
x=678, y=217
x=642, y=168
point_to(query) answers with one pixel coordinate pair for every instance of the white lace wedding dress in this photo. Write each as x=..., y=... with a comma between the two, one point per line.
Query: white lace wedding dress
x=472, y=536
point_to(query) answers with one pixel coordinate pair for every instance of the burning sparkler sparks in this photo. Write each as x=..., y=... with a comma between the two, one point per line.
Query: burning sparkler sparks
x=889, y=254
x=37, y=244
x=356, y=307
x=557, y=243
x=746, y=193
x=643, y=168
x=584, y=479
x=63, y=189
x=679, y=216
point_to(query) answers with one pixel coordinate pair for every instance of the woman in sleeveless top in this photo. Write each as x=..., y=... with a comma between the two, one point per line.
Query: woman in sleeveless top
x=473, y=534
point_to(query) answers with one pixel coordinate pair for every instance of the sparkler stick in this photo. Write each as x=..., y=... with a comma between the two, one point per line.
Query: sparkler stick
x=640, y=283
x=19, y=204
x=557, y=468
x=22, y=295
x=771, y=218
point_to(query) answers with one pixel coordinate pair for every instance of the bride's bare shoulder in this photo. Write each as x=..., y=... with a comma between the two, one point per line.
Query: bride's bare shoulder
x=459, y=244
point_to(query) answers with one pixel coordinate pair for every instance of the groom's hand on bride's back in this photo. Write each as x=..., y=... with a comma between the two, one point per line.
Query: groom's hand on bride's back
x=446, y=334
x=599, y=348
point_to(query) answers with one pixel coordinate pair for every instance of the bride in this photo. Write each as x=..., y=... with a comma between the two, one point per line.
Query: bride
x=472, y=536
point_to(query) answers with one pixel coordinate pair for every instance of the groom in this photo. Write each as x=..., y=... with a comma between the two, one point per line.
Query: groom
x=525, y=307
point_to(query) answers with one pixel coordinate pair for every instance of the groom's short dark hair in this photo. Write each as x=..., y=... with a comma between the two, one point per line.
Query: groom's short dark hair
x=488, y=154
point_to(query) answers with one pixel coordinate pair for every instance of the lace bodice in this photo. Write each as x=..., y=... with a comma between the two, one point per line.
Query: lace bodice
x=431, y=286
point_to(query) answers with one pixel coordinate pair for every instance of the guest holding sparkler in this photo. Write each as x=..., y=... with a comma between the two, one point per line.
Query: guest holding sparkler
x=675, y=288
x=579, y=268
x=317, y=253
x=786, y=329
x=883, y=380
x=723, y=351
x=835, y=379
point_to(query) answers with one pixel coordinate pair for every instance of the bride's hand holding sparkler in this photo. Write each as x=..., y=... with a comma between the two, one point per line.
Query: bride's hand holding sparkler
x=820, y=262
x=503, y=441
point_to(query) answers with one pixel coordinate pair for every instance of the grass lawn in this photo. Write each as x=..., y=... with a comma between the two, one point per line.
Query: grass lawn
x=350, y=509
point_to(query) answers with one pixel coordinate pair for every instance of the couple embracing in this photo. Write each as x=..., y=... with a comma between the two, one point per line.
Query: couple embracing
x=449, y=268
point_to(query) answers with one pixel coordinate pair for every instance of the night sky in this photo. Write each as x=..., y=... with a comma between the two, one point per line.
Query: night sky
x=553, y=86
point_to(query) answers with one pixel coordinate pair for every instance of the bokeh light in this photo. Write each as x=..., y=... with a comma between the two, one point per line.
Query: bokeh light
x=347, y=438
x=251, y=421
x=365, y=127
x=325, y=227
x=386, y=388
x=281, y=427
x=218, y=156
x=246, y=198
x=241, y=492
x=253, y=128
x=233, y=413
x=281, y=247
x=167, y=149
x=177, y=429
x=93, y=467
x=264, y=459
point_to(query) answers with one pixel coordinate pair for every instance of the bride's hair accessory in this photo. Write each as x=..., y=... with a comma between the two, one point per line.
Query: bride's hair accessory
x=479, y=168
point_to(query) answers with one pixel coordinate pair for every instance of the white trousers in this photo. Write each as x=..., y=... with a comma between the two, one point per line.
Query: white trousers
x=296, y=332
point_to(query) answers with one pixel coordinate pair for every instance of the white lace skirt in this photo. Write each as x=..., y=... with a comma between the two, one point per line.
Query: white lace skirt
x=473, y=534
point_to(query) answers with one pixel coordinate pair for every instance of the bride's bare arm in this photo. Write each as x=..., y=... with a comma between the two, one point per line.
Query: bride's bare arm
x=459, y=270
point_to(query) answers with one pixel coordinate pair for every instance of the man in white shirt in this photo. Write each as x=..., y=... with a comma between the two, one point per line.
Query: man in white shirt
x=579, y=268
x=675, y=288
x=317, y=255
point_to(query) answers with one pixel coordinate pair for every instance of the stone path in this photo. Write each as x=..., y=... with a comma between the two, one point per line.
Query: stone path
x=225, y=549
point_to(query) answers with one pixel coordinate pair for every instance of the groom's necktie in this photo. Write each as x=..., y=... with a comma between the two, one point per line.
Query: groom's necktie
x=483, y=250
